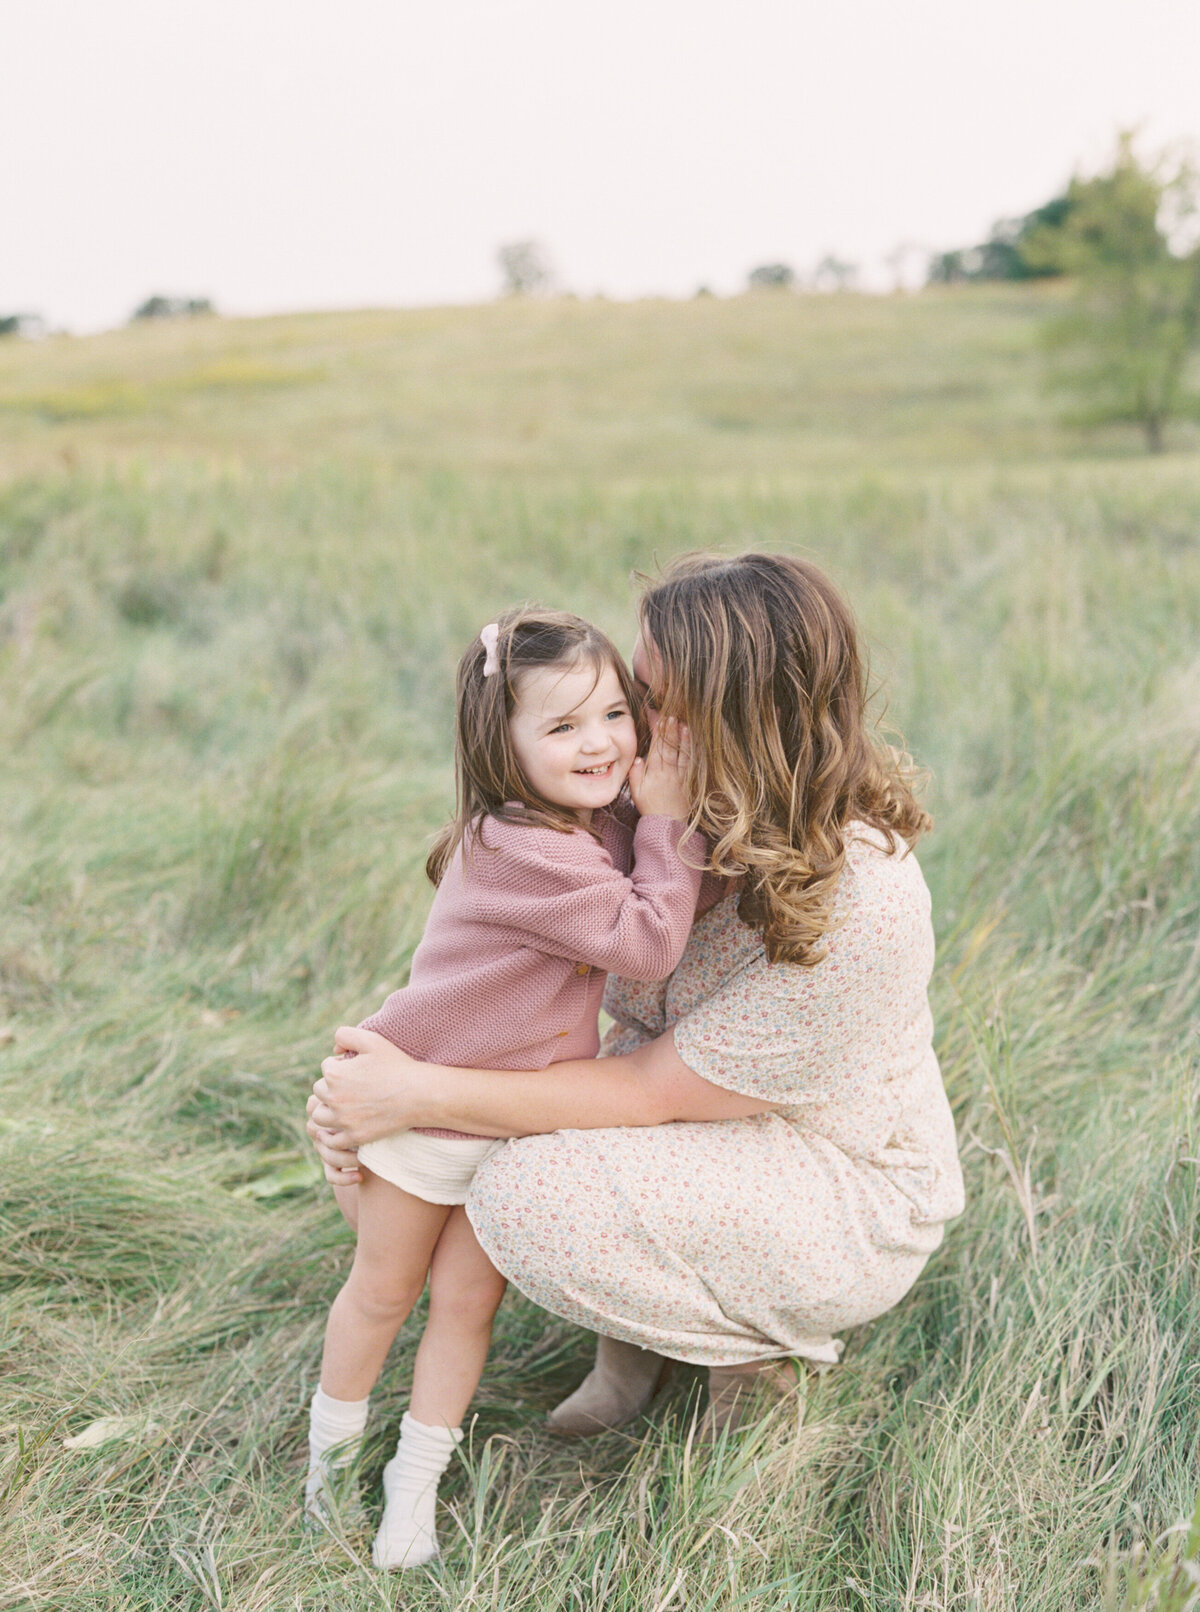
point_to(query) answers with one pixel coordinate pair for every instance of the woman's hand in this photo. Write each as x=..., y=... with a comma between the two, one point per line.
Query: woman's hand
x=658, y=783
x=367, y=1090
x=382, y=1090
x=341, y=1163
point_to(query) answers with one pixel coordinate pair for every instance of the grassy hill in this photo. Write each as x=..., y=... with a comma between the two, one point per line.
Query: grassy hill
x=238, y=560
x=770, y=384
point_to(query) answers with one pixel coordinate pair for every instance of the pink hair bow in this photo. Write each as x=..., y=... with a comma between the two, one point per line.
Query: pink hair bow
x=489, y=638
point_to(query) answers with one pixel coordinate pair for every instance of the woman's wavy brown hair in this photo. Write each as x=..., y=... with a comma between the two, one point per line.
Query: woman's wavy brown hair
x=489, y=779
x=759, y=656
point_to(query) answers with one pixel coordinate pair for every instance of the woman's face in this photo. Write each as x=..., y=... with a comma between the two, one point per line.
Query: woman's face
x=647, y=674
x=646, y=665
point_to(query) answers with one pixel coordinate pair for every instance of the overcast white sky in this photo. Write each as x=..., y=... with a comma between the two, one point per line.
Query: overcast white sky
x=310, y=153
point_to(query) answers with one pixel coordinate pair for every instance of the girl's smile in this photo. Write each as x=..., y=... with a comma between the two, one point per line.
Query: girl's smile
x=574, y=736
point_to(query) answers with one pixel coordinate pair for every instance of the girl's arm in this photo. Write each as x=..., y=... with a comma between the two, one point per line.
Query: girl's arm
x=382, y=1090
x=564, y=893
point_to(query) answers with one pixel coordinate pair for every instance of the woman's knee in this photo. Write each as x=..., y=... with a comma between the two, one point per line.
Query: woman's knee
x=518, y=1210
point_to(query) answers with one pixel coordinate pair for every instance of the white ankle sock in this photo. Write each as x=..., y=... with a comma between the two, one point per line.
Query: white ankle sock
x=335, y=1430
x=406, y=1536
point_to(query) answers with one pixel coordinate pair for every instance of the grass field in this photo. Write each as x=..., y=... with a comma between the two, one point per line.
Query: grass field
x=238, y=561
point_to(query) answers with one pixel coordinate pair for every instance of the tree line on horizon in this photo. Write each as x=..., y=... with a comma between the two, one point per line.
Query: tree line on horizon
x=1127, y=238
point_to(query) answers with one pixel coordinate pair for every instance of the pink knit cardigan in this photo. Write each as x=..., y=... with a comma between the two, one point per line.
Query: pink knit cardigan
x=524, y=927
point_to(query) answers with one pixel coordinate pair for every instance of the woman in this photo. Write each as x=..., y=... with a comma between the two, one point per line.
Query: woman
x=766, y=1155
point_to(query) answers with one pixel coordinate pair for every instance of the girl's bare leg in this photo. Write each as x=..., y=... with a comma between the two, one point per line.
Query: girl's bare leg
x=397, y=1234
x=396, y=1238
x=347, y=1202
x=465, y=1290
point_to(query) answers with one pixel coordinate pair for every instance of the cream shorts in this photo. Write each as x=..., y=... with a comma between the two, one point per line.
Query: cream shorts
x=438, y=1169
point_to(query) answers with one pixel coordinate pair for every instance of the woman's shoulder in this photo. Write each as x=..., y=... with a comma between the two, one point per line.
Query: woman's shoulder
x=881, y=907
x=867, y=843
x=880, y=865
x=877, y=952
x=882, y=927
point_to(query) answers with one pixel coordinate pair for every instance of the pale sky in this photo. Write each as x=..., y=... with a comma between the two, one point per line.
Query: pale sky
x=311, y=154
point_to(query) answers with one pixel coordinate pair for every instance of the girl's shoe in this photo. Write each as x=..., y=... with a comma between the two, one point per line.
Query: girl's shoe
x=335, y=1435
x=619, y=1387
x=331, y=1497
x=407, y=1536
x=738, y=1394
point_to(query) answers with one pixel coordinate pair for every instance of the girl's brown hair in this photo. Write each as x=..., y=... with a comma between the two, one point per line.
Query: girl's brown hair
x=488, y=776
x=759, y=656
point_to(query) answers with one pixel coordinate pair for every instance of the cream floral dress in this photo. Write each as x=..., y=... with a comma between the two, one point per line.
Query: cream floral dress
x=752, y=1238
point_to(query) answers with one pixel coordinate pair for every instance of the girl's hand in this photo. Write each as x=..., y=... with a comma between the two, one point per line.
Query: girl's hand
x=658, y=782
x=367, y=1089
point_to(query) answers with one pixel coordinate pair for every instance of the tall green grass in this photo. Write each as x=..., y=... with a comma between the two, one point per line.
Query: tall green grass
x=226, y=694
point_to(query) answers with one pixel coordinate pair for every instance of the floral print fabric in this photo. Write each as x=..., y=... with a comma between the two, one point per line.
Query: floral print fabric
x=753, y=1238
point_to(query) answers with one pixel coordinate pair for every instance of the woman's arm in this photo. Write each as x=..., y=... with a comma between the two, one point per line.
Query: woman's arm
x=382, y=1090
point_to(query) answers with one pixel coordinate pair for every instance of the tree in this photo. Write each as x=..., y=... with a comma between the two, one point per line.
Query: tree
x=160, y=307
x=22, y=324
x=1129, y=240
x=909, y=262
x=772, y=277
x=1003, y=256
x=526, y=268
x=833, y=273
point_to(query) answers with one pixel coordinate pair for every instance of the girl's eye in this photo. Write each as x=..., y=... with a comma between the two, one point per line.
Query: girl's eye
x=563, y=727
x=617, y=713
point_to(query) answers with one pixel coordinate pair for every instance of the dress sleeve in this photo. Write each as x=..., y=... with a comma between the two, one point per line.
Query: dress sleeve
x=565, y=894
x=773, y=1031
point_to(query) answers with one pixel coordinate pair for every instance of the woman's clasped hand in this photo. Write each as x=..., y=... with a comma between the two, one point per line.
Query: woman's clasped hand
x=350, y=1107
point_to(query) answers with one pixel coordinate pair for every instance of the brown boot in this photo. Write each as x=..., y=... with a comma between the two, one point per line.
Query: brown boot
x=618, y=1388
x=738, y=1394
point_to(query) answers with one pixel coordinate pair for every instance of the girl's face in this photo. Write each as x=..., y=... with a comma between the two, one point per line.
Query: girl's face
x=574, y=736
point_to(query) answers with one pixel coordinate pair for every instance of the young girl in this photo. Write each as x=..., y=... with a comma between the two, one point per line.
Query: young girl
x=541, y=889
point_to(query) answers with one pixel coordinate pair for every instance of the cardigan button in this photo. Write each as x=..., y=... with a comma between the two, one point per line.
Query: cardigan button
x=583, y=968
